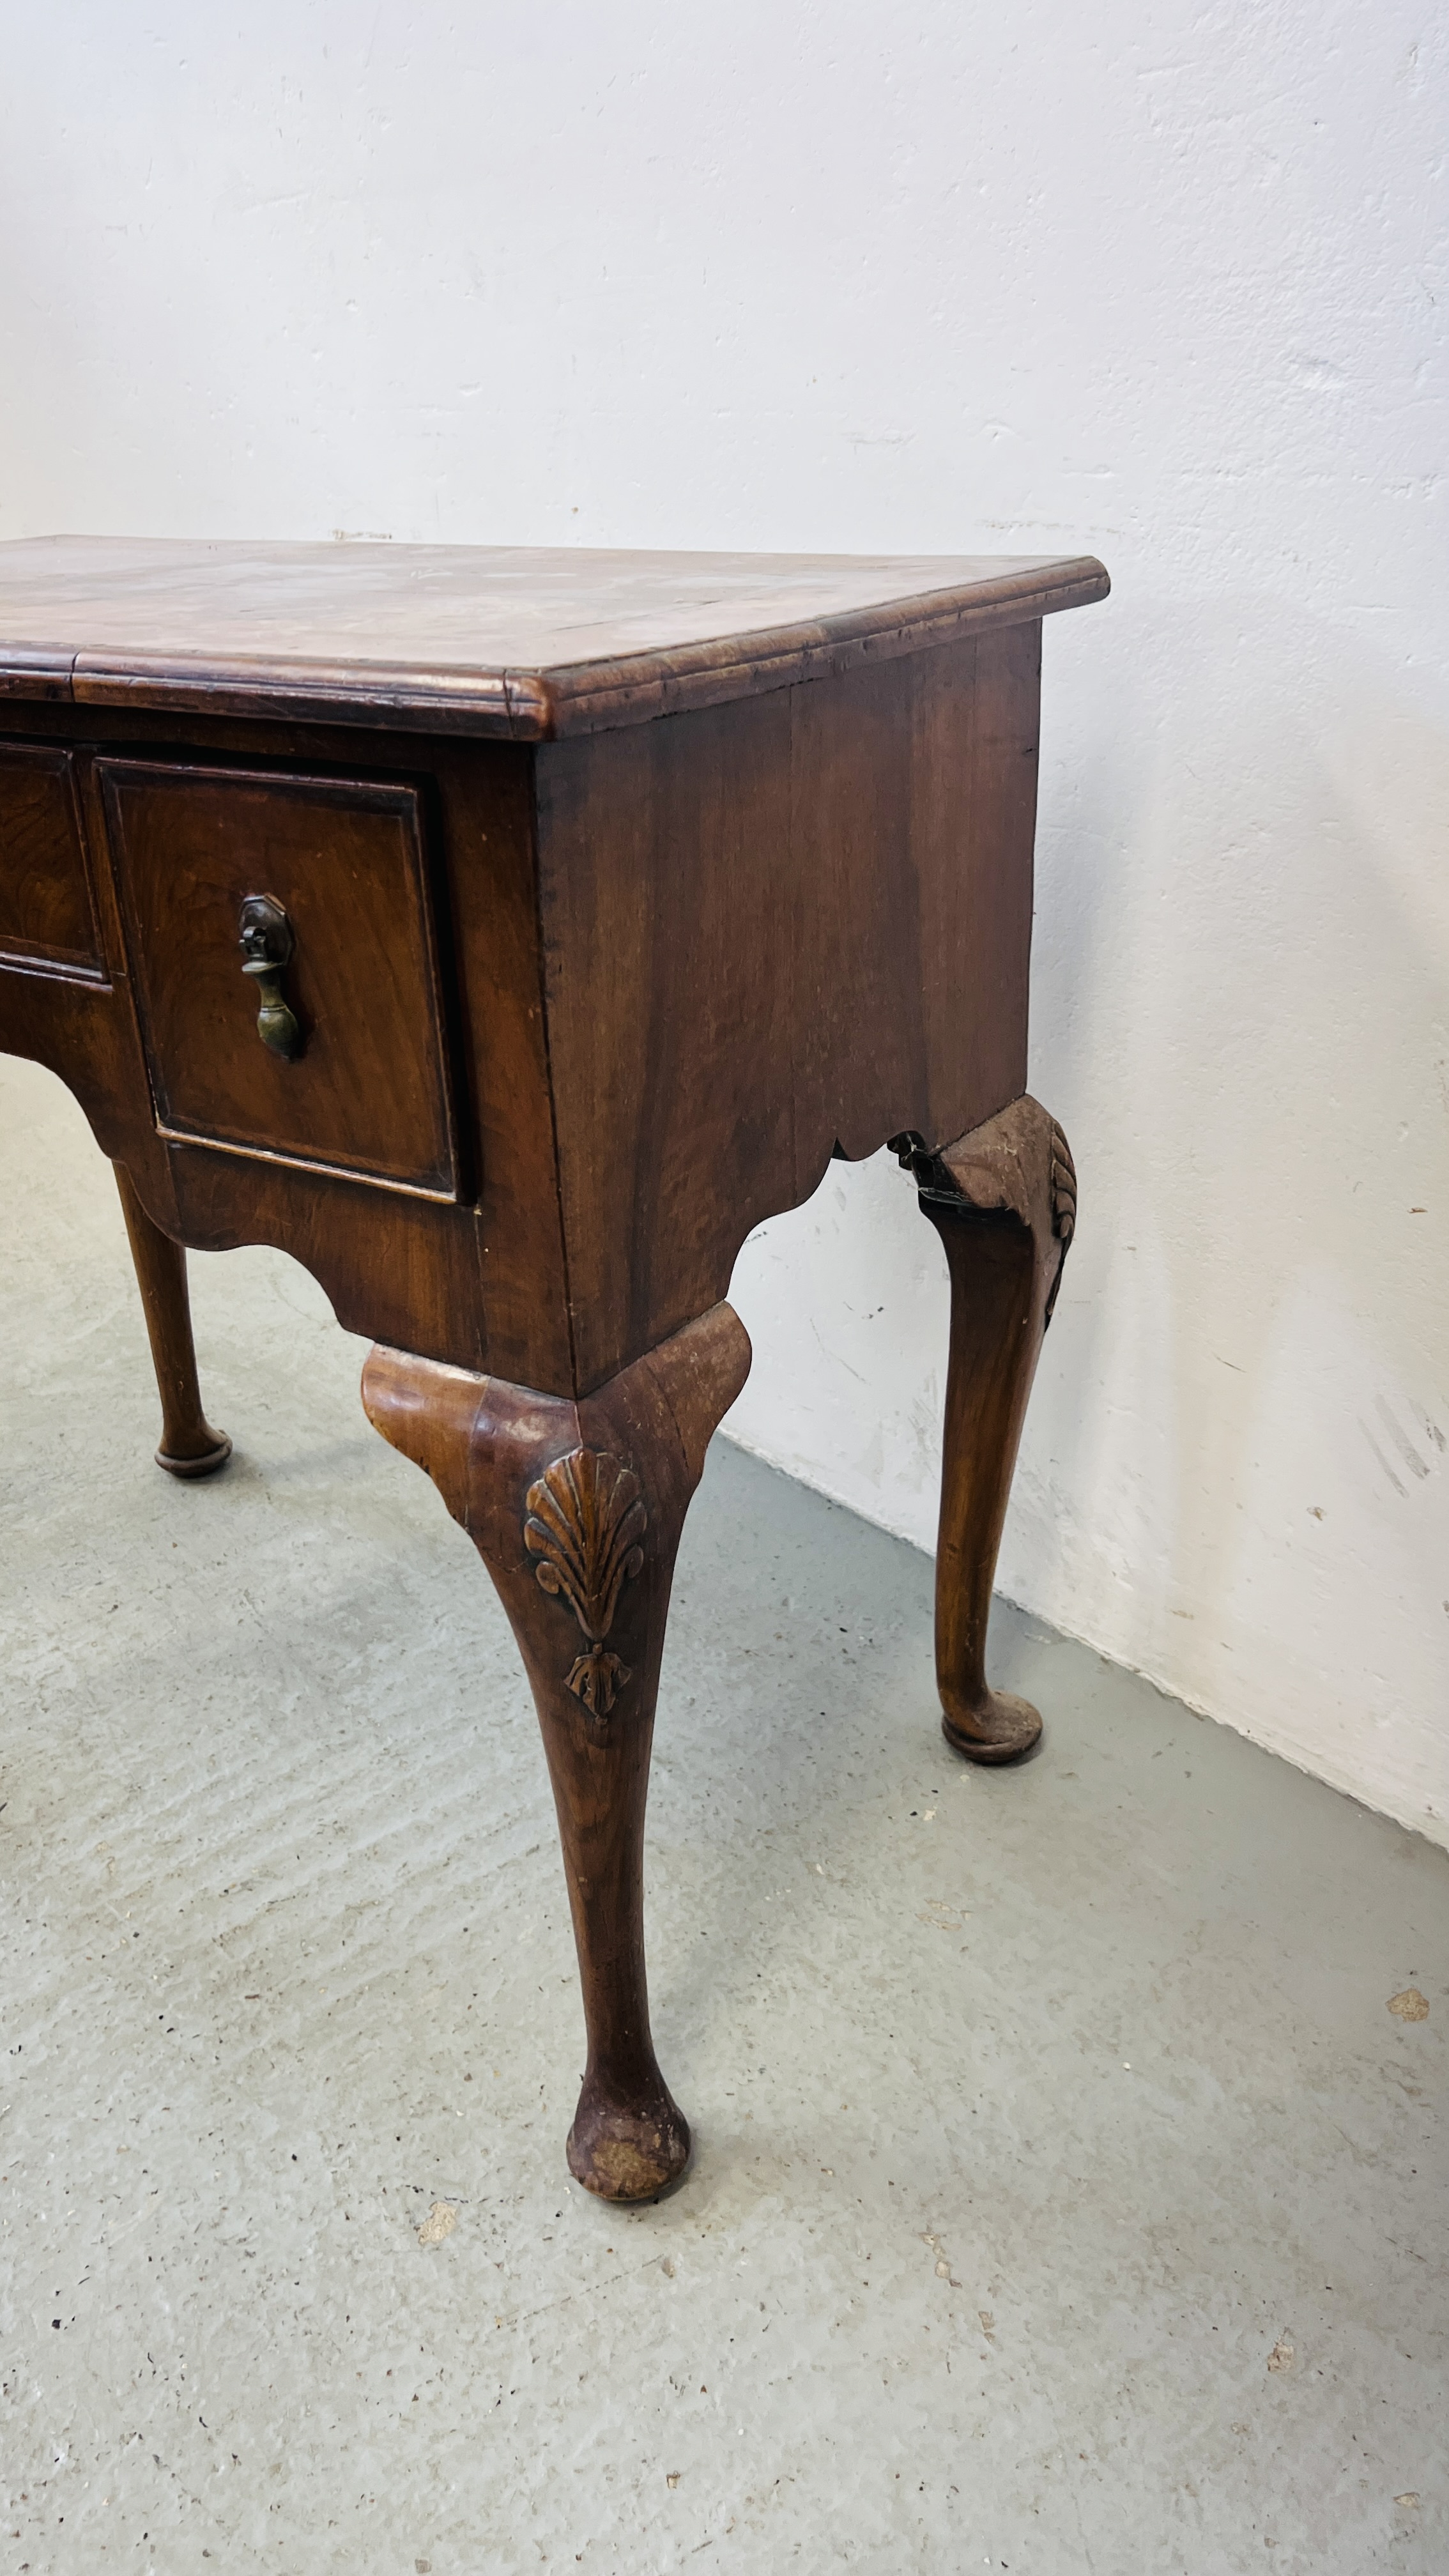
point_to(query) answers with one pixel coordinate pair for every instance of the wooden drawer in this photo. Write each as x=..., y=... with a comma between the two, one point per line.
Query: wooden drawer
x=47, y=918
x=367, y=1092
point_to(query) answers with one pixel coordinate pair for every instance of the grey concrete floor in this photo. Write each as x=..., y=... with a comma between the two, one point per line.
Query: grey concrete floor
x=1065, y=2198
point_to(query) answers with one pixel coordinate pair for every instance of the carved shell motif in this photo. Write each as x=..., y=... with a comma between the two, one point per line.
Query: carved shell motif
x=1064, y=1189
x=585, y=1523
x=1064, y=1209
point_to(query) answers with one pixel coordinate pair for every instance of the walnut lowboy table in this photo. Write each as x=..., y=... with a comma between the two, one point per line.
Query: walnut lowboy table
x=504, y=934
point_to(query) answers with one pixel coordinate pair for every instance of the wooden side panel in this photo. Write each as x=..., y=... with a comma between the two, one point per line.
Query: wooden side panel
x=975, y=717
x=769, y=928
x=912, y=822
x=861, y=1040
x=46, y=911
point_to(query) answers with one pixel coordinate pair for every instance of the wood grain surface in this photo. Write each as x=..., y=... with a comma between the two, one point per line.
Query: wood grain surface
x=769, y=929
x=47, y=915
x=527, y=642
x=344, y=858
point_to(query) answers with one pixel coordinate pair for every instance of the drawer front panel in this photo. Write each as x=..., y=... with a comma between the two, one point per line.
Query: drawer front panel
x=366, y=1089
x=47, y=918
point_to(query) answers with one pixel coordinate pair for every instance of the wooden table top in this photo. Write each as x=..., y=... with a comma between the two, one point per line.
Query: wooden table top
x=523, y=642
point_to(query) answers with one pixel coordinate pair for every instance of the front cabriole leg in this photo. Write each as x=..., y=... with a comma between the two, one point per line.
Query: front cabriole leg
x=576, y=1509
x=1004, y=1202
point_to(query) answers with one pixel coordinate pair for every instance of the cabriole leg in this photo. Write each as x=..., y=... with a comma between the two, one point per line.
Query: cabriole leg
x=576, y=1510
x=189, y=1446
x=1003, y=1201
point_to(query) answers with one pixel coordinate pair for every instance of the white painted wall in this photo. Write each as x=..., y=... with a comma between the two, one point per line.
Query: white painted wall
x=1166, y=282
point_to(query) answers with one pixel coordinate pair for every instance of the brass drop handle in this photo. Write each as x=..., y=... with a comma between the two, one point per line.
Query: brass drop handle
x=267, y=943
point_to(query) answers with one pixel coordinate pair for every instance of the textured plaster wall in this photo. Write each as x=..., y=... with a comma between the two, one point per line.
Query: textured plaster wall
x=1163, y=282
